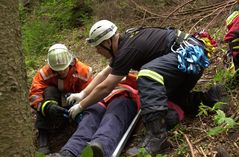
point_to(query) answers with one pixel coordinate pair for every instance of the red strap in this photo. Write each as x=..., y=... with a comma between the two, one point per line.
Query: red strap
x=134, y=94
x=102, y=104
x=175, y=107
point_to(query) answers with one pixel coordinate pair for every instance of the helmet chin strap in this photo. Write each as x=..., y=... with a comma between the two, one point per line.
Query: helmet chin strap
x=110, y=50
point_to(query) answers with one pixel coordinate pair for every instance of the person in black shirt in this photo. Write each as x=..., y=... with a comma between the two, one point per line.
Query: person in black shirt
x=150, y=51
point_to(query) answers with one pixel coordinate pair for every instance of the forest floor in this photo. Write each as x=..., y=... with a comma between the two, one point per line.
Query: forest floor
x=190, y=138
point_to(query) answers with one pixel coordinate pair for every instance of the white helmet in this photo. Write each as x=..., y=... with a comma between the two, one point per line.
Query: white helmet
x=59, y=57
x=100, y=31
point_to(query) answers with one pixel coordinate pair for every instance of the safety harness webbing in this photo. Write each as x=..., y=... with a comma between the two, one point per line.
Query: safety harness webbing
x=151, y=74
x=234, y=44
x=181, y=36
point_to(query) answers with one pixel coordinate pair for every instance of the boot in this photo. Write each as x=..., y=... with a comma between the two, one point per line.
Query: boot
x=216, y=94
x=172, y=119
x=43, y=142
x=97, y=148
x=155, y=140
x=62, y=153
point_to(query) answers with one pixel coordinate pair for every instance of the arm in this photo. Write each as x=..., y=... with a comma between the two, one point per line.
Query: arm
x=101, y=76
x=98, y=93
x=101, y=90
x=36, y=90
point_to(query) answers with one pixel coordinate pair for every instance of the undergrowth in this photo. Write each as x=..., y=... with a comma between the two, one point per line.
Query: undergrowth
x=43, y=26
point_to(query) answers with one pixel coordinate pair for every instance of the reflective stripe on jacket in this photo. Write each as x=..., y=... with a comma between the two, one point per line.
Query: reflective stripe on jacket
x=78, y=77
x=232, y=26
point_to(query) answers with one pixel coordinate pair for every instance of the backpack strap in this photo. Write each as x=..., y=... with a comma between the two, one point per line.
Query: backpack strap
x=181, y=36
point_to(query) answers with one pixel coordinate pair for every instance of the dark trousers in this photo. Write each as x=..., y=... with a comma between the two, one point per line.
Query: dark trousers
x=104, y=126
x=176, y=88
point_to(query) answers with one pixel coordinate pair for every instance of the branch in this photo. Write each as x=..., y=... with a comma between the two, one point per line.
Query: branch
x=202, y=151
x=189, y=144
x=203, y=18
x=176, y=10
x=217, y=15
x=145, y=10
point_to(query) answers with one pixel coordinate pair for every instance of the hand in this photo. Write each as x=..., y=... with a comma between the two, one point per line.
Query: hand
x=51, y=108
x=55, y=110
x=75, y=98
x=74, y=110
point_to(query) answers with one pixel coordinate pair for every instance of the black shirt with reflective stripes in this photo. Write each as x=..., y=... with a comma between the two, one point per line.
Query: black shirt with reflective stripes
x=140, y=47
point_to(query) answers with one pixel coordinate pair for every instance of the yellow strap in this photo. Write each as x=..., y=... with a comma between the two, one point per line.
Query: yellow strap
x=235, y=47
x=235, y=40
x=151, y=74
x=208, y=46
x=232, y=17
x=44, y=105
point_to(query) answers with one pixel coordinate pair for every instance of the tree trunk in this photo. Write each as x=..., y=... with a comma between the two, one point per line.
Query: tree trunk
x=16, y=132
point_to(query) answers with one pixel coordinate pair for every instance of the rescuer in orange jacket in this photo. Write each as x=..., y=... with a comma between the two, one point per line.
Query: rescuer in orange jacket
x=63, y=74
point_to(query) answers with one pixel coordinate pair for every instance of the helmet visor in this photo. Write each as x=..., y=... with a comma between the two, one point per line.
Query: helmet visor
x=91, y=40
x=59, y=61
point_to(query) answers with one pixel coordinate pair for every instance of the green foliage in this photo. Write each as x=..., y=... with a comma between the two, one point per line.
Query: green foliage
x=217, y=106
x=233, y=81
x=224, y=123
x=43, y=27
x=220, y=118
x=143, y=153
x=203, y=110
x=40, y=154
x=87, y=152
x=178, y=135
x=222, y=75
x=215, y=131
x=37, y=36
x=81, y=12
x=182, y=149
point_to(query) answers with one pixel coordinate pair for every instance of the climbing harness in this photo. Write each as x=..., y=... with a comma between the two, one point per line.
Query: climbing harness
x=191, y=58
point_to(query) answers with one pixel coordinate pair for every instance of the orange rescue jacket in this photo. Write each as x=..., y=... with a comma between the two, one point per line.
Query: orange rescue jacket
x=78, y=77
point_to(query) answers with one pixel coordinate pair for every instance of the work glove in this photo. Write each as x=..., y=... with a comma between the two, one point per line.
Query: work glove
x=75, y=110
x=56, y=111
x=50, y=108
x=75, y=98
